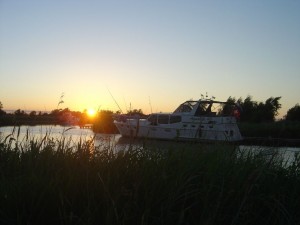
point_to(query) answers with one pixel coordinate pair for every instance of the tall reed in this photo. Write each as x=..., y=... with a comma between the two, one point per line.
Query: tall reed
x=53, y=181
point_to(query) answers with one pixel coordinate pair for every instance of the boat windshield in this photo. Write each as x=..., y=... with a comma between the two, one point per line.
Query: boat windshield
x=187, y=106
x=214, y=108
x=207, y=108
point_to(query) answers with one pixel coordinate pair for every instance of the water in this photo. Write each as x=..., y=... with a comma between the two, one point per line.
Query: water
x=116, y=142
x=73, y=133
x=286, y=154
x=28, y=132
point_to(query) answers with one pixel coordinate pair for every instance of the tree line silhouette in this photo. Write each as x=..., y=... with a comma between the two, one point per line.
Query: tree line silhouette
x=253, y=111
x=250, y=111
x=55, y=117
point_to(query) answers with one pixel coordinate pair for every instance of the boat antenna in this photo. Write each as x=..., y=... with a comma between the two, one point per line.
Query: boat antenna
x=99, y=107
x=114, y=100
x=125, y=104
x=150, y=104
x=130, y=111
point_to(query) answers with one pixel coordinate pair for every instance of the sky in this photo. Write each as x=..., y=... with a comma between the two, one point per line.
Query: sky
x=149, y=55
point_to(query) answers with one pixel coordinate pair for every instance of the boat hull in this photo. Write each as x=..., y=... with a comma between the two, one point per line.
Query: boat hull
x=194, y=132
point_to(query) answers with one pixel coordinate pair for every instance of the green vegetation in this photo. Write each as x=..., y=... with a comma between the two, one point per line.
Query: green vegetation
x=293, y=114
x=279, y=129
x=50, y=181
x=103, y=123
x=256, y=112
x=1, y=109
x=55, y=117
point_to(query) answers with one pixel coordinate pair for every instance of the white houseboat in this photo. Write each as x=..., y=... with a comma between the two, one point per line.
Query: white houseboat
x=202, y=120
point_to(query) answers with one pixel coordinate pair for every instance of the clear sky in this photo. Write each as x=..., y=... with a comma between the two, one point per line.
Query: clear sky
x=155, y=53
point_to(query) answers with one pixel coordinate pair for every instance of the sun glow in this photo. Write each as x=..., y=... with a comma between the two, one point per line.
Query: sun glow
x=91, y=112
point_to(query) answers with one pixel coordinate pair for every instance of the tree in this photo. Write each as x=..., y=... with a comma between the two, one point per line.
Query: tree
x=56, y=112
x=1, y=111
x=253, y=111
x=249, y=107
x=227, y=109
x=104, y=122
x=135, y=112
x=19, y=112
x=32, y=114
x=271, y=107
x=293, y=114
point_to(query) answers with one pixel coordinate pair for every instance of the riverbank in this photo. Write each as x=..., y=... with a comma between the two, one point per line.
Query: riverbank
x=274, y=142
x=277, y=130
x=103, y=123
x=50, y=182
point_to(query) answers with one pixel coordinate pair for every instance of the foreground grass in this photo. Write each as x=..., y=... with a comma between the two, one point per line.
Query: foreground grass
x=51, y=182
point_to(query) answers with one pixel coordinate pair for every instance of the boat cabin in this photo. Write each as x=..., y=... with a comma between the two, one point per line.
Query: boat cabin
x=159, y=118
x=206, y=108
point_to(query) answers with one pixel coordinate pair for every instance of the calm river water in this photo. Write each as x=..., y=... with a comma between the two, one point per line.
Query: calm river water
x=74, y=133
x=114, y=141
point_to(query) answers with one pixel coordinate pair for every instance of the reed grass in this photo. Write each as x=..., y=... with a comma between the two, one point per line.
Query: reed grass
x=53, y=181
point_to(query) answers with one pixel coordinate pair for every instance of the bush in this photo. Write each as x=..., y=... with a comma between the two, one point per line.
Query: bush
x=293, y=114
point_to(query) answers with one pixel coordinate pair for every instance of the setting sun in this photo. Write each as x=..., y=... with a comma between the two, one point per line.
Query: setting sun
x=91, y=112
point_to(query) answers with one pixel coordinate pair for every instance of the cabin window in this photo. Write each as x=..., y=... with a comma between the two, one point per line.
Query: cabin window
x=230, y=133
x=175, y=119
x=200, y=110
x=163, y=119
x=153, y=119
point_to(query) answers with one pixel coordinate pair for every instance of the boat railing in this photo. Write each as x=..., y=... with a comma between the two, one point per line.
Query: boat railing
x=126, y=117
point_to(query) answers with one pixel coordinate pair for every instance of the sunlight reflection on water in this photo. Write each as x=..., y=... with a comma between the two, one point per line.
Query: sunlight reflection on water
x=28, y=132
x=22, y=135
